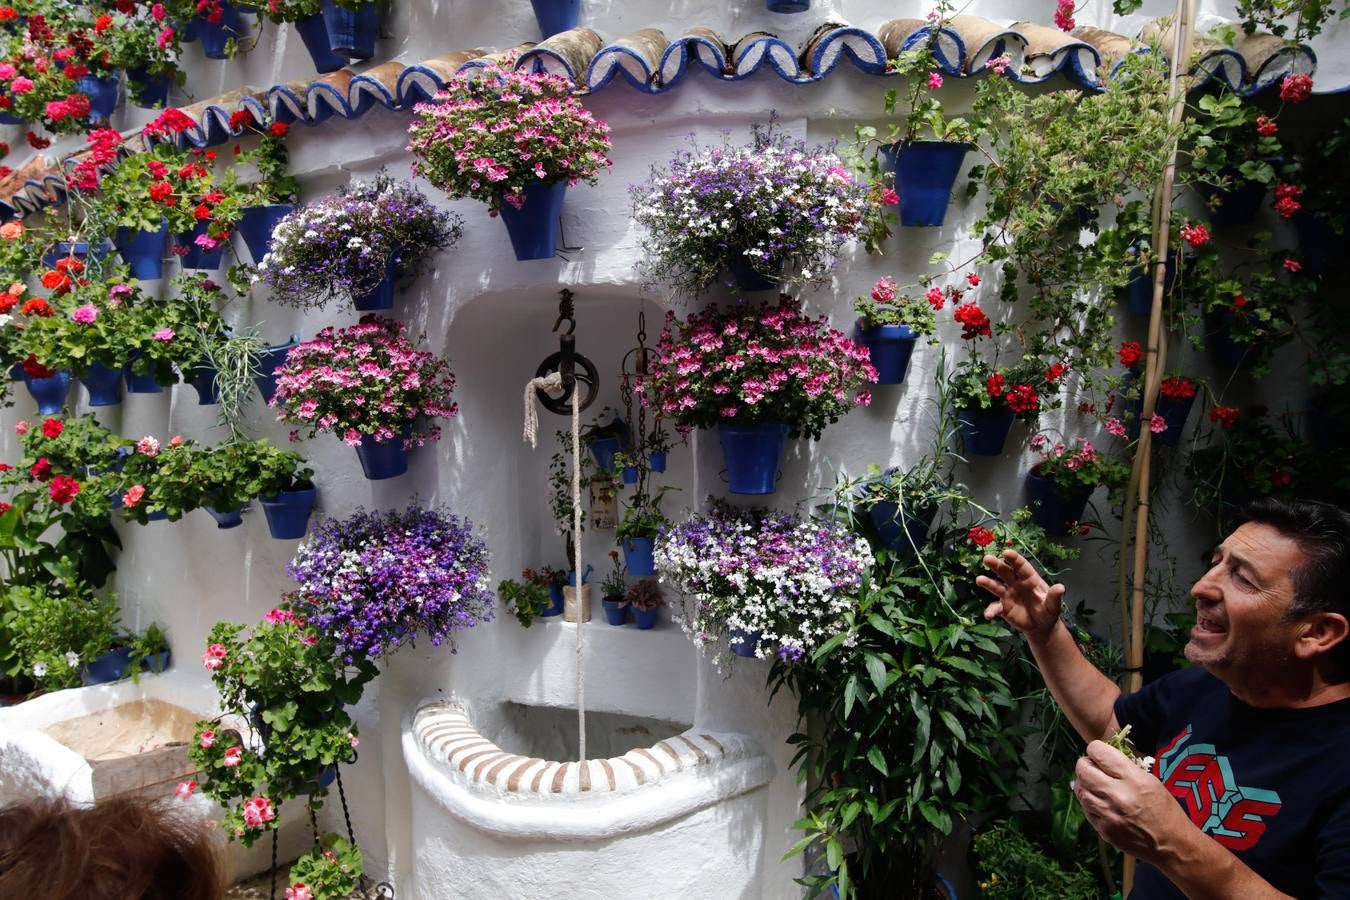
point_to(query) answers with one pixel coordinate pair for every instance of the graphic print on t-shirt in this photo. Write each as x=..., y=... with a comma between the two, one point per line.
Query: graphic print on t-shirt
x=1204, y=782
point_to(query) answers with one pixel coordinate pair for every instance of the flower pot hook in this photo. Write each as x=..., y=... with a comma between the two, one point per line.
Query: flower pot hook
x=566, y=361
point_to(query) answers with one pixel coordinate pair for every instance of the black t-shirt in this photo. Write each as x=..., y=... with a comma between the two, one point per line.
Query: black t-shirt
x=1271, y=785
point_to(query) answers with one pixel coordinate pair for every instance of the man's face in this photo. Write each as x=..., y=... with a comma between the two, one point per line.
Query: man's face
x=1242, y=603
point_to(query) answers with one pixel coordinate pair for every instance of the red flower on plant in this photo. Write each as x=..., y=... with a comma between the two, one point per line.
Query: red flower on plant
x=1265, y=126
x=52, y=428
x=993, y=385
x=7, y=302
x=34, y=369
x=202, y=212
x=974, y=323
x=1195, y=235
x=1177, y=388
x=38, y=306
x=1295, y=88
x=1280, y=478
x=1292, y=265
x=42, y=469
x=69, y=264
x=1239, y=301
x=171, y=120
x=37, y=143
x=63, y=488
x=1056, y=372
x=1286, y=199
x=52, y=281
x=972, y=279
x=1023, y=398
x=8, y=14
x=240, y=118
x=102, y=24
x=1226, y=416
x=161, y=191
x=934, y=298
x=980, y=536
x=279, y=129
x=1131, y=354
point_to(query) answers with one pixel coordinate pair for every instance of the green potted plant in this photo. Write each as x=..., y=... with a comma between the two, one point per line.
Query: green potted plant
x=56, y=629
x=900, y=504
x=233, y=474
x=89, y=334
x=1061, y=483
x=889, y=324
x=160, y=480
x=1232, y=153
x=529, y=598
x=644, y=598
x=612, y=589
x=284, y=689
x=286, y=493
x=148, y=651
x=142, y=41
x=264, y=202
x=331, y=871
x=636, y=533
x=988, y=399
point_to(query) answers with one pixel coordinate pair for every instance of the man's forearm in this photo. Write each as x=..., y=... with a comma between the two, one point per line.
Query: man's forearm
x=1203, y=869
x=1086, y=695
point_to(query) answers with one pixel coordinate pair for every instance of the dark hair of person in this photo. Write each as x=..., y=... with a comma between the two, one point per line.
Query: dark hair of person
x=121, y=848
x=1322, y=532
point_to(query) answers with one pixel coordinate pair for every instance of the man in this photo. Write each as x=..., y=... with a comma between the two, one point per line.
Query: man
x=1249, y=793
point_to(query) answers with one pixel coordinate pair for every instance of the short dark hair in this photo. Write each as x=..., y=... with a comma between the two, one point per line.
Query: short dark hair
x=1322, y=532
x=121, y=848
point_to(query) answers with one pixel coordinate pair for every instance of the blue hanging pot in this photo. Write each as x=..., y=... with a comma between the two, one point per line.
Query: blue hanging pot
x=314, y=32
x=555, y=16
x=745, y=643
x=1054, y=507
x=382, y=295
x=269, y=361
x=615, y=612
x=382, y=459
x=1230, y=354
x=205, y=380
x=1236, y=207
x=749, y=279
x=198, y=257
x=107, y=668
x=891, y=347
x=555, y=600
x=603, y=449
x=925, y=173
x=901, y=532
x=72, y=250
x=9, y=118
x=787, y=6
x=103, y=384
x=230, y=518
x=138, y=383
x=984, y=431
x=215, y=37
x=148, y=91
x=50, y=393
x=657, y=460
x=143, y=251
x=645, y=619
x=352, y=32
x=1139, y=289
x=753, y=454
x=1316, y=241
x=102, y=94
x=288, y=512
x=631, y=474
x=534, y=227
x=637, y=556
x=256, y=227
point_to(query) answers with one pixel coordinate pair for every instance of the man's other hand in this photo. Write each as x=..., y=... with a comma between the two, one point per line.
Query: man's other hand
x=1022, y=596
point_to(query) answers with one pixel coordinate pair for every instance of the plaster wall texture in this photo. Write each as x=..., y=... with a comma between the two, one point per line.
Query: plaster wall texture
x=491, y=316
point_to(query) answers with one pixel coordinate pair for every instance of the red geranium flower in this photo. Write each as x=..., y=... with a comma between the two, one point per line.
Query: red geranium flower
x=1023, y=398
x=1177, y=388
x=42, y=469
x=993, y=385
x=974, y=323
x=34, y=369
x=52, y=428
x=52, y=281
x=980, y=536
x=38, y=306
x=279, y=129
x=63, y=489
x=1226, y=416
x=1295, y=88
x=1056, y=372
x=1130, y=354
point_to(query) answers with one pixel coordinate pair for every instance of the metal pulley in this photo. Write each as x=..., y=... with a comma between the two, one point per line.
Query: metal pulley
x=575, y=368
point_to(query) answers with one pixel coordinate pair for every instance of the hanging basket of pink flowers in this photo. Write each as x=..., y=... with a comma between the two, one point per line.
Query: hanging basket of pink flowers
x=759, y=373
x=516, y=141
x=370, y=386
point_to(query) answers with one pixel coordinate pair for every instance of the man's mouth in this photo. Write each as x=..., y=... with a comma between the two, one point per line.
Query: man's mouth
x=1206, y=625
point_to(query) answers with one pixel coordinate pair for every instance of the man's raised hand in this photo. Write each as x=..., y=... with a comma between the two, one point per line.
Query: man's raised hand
x=1021, y=595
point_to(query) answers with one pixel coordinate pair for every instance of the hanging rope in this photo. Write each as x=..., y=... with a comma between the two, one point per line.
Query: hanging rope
x=550, y=383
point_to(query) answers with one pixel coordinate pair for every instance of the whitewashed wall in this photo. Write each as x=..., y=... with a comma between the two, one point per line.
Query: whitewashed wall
x=491, y=315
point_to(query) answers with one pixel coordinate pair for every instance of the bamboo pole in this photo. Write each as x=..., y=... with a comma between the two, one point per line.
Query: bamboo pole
x=1154, y=361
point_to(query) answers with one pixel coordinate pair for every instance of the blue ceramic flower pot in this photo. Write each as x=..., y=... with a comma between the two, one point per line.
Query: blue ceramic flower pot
x=215, y=37
x=534, y=227
x=891, y=347
x=314, y=32
x=148, y=91
x=9, y=118
x=555, y=16
x=585, y=576
x=1317, y=240
x=1174, y=410
x=1230, y=354
x=645, y=619
x=748, y=279
x=137, y=383
x=787, y=6
x=205, y=380
x=631, y=475
x=50, y=393
x=103, y=384
x=984, y=431
x=15, y=372
x=745, y=643
x=230, y=518
x=1236, y=207
x=68, y=250
x=143, y=251
x=269, y=361
x=352, y=32
x=288, y=512
x=657, y=460
x=603, y=449
x=615, y=612
x=925, y=173
x=381, y=460
x=198, y=257
x=637, y=555
x=901, y=532
x=1054, y=507
x=111, y=666
x=256, y=226
x=752, y=454
x=382, y=295
x=102, y=94
x=321, y=782
x=1139, y=289
x=555, y=597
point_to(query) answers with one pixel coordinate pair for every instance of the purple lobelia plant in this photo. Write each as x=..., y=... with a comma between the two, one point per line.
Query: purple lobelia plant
x=756, y=570
x=344, y=245
x=377, y=579
x=765, y=204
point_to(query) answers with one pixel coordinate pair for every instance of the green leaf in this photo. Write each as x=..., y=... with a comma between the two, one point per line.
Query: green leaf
x=952, y=725
x=834, y=853
x=850, y=694
x=877, y=669
x=878, y=761
x=961, y=664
